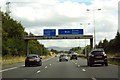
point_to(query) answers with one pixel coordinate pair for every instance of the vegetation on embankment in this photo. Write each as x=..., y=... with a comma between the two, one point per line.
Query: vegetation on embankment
x=75, y=50
x=114, y=62
x=111, y=47
x=13, y=43
x=7, y=60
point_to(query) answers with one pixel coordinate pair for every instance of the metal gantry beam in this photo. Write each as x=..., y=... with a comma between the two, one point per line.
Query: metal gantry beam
x=27, y=38
x=60, y=37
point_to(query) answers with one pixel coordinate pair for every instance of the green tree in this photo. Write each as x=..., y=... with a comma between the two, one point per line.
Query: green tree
x=13, y=39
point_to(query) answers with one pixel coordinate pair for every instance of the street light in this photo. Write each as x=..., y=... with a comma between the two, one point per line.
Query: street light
x=94, y=24
x=85, y=38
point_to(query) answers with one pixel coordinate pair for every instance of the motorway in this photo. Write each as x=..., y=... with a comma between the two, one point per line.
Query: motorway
x=52, y=68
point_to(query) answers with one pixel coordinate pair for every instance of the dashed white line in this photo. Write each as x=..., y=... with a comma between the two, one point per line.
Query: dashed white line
x=93, y=79
x=50, y=64
x=45, y=66
x=38, y=71
x=75, y=63
x=78, y=65
x=83, y=70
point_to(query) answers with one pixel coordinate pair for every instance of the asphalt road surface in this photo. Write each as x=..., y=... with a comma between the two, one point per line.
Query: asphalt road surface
x=52, y=68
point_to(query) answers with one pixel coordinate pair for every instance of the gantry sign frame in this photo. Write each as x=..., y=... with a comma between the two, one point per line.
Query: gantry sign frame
x=27, y=38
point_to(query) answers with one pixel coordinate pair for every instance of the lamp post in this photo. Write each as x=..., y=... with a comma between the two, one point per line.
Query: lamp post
x=94, y=24
x=84, y=33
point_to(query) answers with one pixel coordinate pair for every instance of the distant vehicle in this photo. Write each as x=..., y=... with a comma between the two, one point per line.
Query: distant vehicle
x=56, y=55
x=97, y=56
x=63, y=57
x=73, y=56
x=33, y=60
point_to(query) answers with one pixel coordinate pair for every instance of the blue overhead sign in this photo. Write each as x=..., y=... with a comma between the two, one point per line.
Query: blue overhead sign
x=70, y=31
x=49, y=32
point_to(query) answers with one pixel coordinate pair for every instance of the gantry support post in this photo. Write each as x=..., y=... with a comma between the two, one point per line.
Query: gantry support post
x=27, y=47
x=91, y=43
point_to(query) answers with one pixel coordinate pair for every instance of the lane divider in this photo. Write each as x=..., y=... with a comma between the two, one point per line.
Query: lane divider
x=45, y=66
x=9, y=69
x=83, y=70
x=23, y=65
x=38, y=71
x=78, y=65
x=93, y=79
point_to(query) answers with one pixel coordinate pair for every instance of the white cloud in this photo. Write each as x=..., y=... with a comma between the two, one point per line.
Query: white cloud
x=39, y=14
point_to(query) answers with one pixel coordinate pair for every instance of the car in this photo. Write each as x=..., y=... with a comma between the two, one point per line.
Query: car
x=33, y=60
x=56, y=55
x=73, y=56
x=63, y=57
x=97, y=56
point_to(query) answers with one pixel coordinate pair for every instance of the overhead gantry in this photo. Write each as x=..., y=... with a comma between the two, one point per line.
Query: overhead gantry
x=27, y=38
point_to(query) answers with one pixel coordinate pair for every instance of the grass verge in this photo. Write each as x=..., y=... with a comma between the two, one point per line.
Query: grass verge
x=7, y=60
x=109, y=61
x=114, y=62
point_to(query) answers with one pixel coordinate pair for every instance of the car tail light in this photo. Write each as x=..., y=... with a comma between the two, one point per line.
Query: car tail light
x=36, y=58
x=105, y=54
x=26, y=59
x=92, y=55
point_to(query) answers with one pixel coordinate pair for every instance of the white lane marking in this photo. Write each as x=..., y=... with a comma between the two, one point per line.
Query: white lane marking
x=75, y=63
x=45, y=66
x=78, y=65
x=93, y=79
x=8, y=69
x=47, y=59
x=20, y=66
x=50, y=64
x=23, y=65
x=38, y=71
x=83, y=70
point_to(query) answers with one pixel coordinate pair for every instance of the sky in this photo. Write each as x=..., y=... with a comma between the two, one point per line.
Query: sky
x=36, y=15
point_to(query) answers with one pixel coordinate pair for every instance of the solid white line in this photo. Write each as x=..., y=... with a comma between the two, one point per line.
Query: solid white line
x=83, y=70
x=38, y=71
x=8, y=69
x=23, y=65
x=20, y=66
